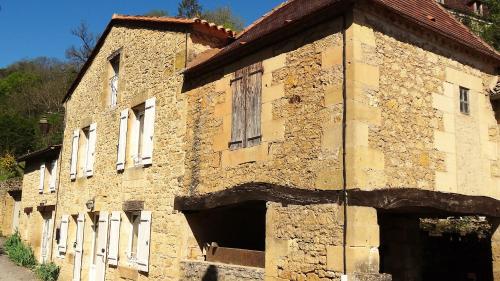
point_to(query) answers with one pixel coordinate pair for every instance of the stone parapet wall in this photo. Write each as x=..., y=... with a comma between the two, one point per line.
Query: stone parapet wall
x=200, y=270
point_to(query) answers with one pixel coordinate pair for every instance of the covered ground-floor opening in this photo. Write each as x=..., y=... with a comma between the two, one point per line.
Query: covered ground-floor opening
x=232, y=234
x=418, y=247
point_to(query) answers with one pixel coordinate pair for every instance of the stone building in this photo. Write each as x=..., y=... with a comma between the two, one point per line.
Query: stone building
x=10, y=205
x=38, y=202
x=307, y=147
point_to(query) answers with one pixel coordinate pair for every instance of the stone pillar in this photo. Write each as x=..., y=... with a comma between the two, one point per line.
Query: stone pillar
x=495, y=247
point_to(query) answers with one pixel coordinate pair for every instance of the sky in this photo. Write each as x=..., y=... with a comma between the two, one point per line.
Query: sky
x=34, y=28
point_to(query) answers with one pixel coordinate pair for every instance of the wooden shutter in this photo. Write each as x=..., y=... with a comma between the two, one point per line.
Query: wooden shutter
x=122, y=140
x=149, y=128
x=143, y=241
x=77, y=265
x=53, y=176
x=102, y=246
x=238, y=111
x=42, y=178
x=74, y=153
x=253, y=93
x=89, y=169
x=114, y=238
x=63, y=234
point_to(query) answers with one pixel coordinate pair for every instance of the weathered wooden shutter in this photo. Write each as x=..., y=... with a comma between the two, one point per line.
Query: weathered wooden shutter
x=77, y=265
x=122, y=140
x=74, y=153
x=143, y=241
x=89, y=169
x=253, y=93
x=63, y=234
x=149, y=128
x=114, y=238
x=42, y=178
x=102, y=246
x=53, y=176
x=238, y=110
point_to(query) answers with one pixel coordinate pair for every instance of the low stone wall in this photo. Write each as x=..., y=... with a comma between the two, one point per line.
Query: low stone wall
x=371, y=277
x=207, y=271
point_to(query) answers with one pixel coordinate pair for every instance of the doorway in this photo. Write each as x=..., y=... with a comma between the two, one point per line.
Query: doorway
x=46, y=237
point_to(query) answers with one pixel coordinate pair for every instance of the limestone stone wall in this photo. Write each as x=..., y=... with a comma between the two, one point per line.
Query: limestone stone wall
x=150, y=66
x=199, y=270
x=406, y=126
x=305, y=242
x=10, y=190
x=300, y=118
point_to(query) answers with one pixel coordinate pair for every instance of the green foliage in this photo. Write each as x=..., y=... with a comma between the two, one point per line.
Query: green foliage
x=18, y=252
x=189, y=9
x=8, y=167
x=156, y=13
x=491, y=33
x=17, y=81
x=47, y=271
x=224, y=16
x=17, y=134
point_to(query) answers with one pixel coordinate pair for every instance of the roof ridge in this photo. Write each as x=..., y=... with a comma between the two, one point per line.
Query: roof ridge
x=266, y=15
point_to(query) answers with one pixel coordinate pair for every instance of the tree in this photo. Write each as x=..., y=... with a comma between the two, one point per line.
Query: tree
x=156, y=13
x=79, y=55
x=189, y=9
x=491, y=33
x=224, y=16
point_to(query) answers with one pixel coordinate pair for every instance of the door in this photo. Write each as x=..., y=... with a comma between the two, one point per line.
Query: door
x=78, y=247
x=98, y=259
x=15, y=216
x=46, y=234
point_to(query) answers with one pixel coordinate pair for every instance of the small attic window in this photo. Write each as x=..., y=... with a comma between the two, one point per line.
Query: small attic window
x=478, y=8
x=440, y=1
x=114, y=63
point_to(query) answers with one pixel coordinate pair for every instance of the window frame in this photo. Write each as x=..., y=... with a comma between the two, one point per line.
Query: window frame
x=136, y=137
x=113, y=85
x=132, y=256
x=464, y=100
x=83, y=150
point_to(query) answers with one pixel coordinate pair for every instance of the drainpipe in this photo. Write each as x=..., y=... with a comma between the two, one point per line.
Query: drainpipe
x=59, y=166
x=344, y=132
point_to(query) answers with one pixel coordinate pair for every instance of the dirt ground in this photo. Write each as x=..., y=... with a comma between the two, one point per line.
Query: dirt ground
x=10, y=271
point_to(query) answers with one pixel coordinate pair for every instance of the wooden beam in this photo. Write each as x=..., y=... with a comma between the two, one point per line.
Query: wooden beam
x=394, y=199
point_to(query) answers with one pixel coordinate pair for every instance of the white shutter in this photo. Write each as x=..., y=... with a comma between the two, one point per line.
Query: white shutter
x=42, y=178
x=63, y=234
x=143, y=241
x=74, y=154
x=77, y=266
x=149, y=128
x=53, y=176
x=102, y=246
x=114, y=238
x=89, y=169
x=122, y=140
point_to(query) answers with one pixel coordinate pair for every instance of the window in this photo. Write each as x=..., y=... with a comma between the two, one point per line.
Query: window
x=83, y=152
x=137, y=135
x=478, y=8
x=138, y=243
x=53, y=175
x=113, y=80
x=246, y=107
x=42, y=178
x=95, y=239
x=135, y=141
x=440, y=1
x=464, y=100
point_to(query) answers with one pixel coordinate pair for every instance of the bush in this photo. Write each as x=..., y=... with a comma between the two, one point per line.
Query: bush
x=18, y=252
x=47, y=272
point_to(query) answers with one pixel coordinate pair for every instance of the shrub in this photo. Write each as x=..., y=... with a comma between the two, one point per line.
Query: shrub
x=18, y=252
x=47, y=272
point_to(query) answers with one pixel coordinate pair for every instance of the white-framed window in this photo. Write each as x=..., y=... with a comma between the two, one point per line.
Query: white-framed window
x=464, y=100
x=478, y=8
x=113, y=80
x=41, y=184
x=139, y=240
x=135, y=140
x=440, y=1
x=95, y=237
x=83, y=152
x=53, y=175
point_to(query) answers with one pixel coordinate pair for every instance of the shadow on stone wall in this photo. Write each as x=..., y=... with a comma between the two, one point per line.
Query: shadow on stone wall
x=211, y=274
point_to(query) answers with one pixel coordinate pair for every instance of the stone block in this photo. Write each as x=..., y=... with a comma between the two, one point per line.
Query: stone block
x=329, y=179
x=444, y=142
x=223, y=84
x=463, y=79
x=359, y=259
x=222, y=109
x=220, y=142
x=274, y=63
x=366, y=74
x=361, y=215
x=357, y=134
x=362, y=112
x=446, y=182
x=362, y=234
x=364, y=34
x=449, y=122
x=273, y=130
x=276, y=249
x=267, y=112
x=128, y=273
x=331, y=138
x=231, y=158
x=333, y=95
x=331, y=57
x=365, y=158
x=443, y=103
x=180, y=60
x=449, y=90
x=271, y=93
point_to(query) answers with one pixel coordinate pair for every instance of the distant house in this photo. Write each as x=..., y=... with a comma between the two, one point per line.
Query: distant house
x=473, y=13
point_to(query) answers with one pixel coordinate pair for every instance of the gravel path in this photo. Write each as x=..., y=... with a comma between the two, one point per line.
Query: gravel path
x=10, y=271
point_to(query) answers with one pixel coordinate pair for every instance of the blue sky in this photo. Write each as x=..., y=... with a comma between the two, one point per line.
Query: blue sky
x=33, y=28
